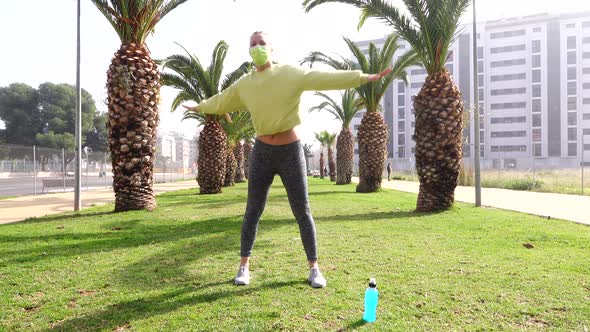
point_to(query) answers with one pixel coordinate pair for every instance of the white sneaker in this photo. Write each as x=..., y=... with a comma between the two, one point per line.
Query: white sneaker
x=243, y=276
x=316, y=279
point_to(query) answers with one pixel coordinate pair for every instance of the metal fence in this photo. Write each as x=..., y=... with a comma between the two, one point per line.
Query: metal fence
x=32, y=170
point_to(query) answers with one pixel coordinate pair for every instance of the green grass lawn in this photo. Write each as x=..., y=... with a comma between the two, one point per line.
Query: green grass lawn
x=172, y=269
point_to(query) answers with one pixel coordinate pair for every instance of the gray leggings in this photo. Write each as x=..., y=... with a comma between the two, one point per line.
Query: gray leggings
x=288, y=162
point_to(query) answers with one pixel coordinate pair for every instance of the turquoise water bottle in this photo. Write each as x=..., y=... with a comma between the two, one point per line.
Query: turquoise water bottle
x=371, y=299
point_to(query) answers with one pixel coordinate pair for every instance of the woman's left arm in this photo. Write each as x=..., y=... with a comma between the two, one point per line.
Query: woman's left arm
x=339, y=79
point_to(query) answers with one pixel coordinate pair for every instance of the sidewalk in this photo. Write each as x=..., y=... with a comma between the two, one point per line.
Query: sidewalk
x=569, y=207
x=16, y=209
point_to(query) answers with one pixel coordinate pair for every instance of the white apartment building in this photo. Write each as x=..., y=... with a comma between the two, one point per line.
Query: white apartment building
x=534, y=92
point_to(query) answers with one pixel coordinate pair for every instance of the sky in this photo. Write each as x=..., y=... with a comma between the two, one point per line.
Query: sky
x=38, y=41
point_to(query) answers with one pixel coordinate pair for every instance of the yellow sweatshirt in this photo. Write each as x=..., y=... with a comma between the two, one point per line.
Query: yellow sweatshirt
x=272, y=96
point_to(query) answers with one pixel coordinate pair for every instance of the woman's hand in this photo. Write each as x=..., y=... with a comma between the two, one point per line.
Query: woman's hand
x=375, y=77
x=192, y=109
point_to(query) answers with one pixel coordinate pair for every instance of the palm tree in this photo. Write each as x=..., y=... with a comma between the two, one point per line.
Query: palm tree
x=133, y=90
x=196, y=83
x=329, y=142
x=372, y=133
x=320, y=138
x=430, y=29
x=308, y=154
x=240, y=126
x=248, y=146
x=343, y=112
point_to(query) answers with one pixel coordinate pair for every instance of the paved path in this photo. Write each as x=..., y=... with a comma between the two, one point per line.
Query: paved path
x=569, y=207
x=16, y=209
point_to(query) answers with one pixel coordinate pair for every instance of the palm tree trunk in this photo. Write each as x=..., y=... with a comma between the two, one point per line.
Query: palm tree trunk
x=372, y=141
x=344, y=156
x=439, y=126
x=211, y=165
x=247, y=151
x=331, y=164
x=133, y=96
x=239, y=155
x=230, y=169
x=322, y=163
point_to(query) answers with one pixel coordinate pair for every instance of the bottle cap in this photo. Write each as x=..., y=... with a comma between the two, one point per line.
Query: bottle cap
x=372, y=283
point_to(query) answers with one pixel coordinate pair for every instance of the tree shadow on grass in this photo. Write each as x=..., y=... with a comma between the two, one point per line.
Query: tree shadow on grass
x=375, y=216
x=119, y=314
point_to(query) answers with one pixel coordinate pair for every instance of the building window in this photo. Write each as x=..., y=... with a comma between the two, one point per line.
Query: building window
x=571, y=88
x=508, y=148
x=586, y=40
x=481, y=94
x=572, y=103
x=413, y=124
x=536, y=46
x=586, y=86
x=417, y=85
x=586, y=116
x=401, y=100
x=536, y=76
x=586, y=101
x=401, y=152
x=507, y=34
x=504, y=49
x=401, y=113
x=418, y=72
x=586, y=131
x=537, y=149
x=480, y=80
x=509, y=119
x=536, y=29
x=504, y=106
x=586, y=71
x=450, y=56
x=536, y=120
x=586, y=55
x=479, y=52
x=536, y=61
x=571, y=42
x=498, y=134
x=401, y=139
x=571, y=58
x=536, y=106
x=502, y=92
x=536, y=90
x=356, y=127
x=572, y=149
x=401, y=87
x=572, y=118
x=482, y=136
x=508, y=77
x=480, y=66
x=537, y=135
x=401, y=126
x=450, y=68
x=571, y=73
x=570, y=25
x=572, y=134
x=506, y=63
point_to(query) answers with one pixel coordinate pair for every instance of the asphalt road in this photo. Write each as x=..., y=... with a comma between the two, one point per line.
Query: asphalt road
x=25, y=185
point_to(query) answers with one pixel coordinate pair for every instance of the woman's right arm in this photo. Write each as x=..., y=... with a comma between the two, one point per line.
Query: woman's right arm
x=226, y=101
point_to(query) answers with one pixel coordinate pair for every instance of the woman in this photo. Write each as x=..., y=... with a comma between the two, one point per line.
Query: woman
x=271, y=93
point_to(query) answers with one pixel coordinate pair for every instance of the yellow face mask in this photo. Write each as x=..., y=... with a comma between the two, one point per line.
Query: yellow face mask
x=259, y=55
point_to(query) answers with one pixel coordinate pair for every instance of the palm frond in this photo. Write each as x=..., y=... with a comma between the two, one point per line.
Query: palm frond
x=134, y=20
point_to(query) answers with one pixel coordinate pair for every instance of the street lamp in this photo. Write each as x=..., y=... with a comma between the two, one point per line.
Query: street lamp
x=78, y=124
x=476, y=113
